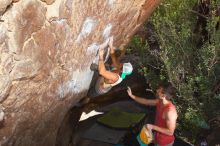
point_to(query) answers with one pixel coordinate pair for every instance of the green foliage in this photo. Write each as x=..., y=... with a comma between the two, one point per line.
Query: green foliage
x=217, y=97
x=149, y=64
x=194, y=120
x=138, y=45
x=193, y=70
x=200, y=66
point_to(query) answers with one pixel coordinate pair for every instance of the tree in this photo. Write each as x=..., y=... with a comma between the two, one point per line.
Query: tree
x=190, y=59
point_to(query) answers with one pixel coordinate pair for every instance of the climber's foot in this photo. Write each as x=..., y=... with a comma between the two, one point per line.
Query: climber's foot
x=93, y=67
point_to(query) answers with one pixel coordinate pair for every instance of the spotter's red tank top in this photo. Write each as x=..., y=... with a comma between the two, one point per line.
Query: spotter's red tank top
x=160, y=138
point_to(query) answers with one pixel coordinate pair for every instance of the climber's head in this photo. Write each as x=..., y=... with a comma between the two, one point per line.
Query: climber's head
x=126, y=70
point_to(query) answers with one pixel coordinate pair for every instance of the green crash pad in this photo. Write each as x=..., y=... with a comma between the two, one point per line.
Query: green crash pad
x=120, y=120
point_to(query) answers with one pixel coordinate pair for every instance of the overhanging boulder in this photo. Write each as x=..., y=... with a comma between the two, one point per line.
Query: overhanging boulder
x=46, y=51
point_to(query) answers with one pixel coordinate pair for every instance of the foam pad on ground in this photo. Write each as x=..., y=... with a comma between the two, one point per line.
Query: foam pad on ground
x=104, y=134
x=120, y=120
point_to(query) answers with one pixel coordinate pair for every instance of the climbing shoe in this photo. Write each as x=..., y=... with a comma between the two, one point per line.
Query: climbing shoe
x=94, y=67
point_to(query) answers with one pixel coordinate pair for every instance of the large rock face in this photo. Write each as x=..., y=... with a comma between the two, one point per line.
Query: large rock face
x=46, y=48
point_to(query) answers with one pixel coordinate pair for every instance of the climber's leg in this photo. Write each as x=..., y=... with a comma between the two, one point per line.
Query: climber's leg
x=115, y=61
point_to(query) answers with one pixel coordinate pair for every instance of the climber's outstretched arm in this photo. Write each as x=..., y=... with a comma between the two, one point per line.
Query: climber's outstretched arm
x=111, y=76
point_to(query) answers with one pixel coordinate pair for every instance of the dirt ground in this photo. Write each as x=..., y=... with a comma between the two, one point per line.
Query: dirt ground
x=128, y=106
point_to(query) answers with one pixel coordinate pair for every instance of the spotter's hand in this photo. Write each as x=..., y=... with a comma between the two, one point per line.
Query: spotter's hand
x=130, y=92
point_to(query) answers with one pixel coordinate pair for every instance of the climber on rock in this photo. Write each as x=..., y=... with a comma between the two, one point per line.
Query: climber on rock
x=110, y=78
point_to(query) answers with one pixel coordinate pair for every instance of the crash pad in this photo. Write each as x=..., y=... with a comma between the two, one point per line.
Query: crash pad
x=118, y=119
x=104, y=134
